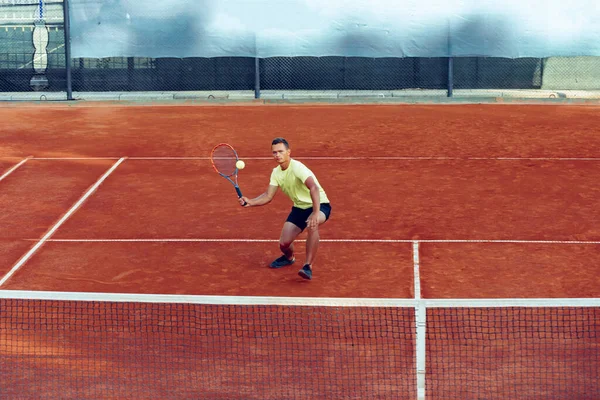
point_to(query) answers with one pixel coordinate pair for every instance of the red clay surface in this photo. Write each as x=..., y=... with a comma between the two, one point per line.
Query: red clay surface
x=406, y=199
x=424, y=199
x=40, y=192
x=10, y=252
x=239, y=269
x=177, y=199
x=501, y=270
x=353, y=130
x=7, y=163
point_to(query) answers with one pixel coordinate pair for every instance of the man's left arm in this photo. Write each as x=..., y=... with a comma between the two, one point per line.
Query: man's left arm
x=315, y=195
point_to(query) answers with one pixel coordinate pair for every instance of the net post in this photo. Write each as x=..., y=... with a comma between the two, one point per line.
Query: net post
x=421, y=321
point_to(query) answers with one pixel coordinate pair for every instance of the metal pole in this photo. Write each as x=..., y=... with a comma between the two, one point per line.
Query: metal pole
x=450, y=76
x=450, y=62
x=542, y=61
x=130, y=73
x=67, y=29
x=257, y=78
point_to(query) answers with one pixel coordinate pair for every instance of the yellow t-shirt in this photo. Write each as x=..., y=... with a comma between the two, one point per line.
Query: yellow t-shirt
x=291, y=181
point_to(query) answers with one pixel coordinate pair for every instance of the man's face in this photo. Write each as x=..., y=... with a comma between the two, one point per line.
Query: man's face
x=280, y=153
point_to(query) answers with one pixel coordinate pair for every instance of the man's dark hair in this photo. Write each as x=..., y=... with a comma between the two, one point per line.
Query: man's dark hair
x=280, y=140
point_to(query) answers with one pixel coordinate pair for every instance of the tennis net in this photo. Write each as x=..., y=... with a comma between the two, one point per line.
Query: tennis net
x=93, y=346
x=71, y=345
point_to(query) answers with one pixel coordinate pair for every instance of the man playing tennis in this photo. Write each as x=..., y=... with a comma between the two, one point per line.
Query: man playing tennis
x=311, y=206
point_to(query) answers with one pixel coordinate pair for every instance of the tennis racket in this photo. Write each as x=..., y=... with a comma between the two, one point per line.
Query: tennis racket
x=223, y=158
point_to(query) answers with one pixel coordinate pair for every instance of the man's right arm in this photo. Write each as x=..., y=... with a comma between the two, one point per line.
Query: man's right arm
x=261, y=200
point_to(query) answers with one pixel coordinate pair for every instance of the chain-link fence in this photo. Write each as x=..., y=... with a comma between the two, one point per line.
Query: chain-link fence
x=32, y=46
x=33, y=58
x=353, y=73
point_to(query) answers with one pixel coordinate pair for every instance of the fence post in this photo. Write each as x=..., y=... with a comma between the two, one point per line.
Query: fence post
x=542, y=62
x=67, y=31
x=130, y=73
x=450, y=76
x=450, y=61
x=257, y=78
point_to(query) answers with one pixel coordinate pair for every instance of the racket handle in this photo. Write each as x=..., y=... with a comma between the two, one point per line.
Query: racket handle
x=239, y=193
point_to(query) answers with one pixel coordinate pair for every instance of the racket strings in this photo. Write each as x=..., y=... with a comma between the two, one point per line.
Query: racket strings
x=224, y=159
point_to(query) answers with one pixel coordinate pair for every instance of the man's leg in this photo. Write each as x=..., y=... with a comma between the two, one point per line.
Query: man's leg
x=312, y=244
x=289, y=233
x=312, y=241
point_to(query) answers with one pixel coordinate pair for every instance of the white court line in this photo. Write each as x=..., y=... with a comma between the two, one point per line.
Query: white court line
x=30, y=253
x=407, y=158
x=198, y=240
x=511, y=241
x=297, y=301
x=76, y=158
x=416, y=273
x=13, y=169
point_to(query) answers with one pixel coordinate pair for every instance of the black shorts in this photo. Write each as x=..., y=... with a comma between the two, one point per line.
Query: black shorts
x=299, y=216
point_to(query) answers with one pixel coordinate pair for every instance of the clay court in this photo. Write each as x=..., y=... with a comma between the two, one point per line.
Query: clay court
x=499, y=201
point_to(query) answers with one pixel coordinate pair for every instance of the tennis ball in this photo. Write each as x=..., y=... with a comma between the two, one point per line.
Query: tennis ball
x=240, y=164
